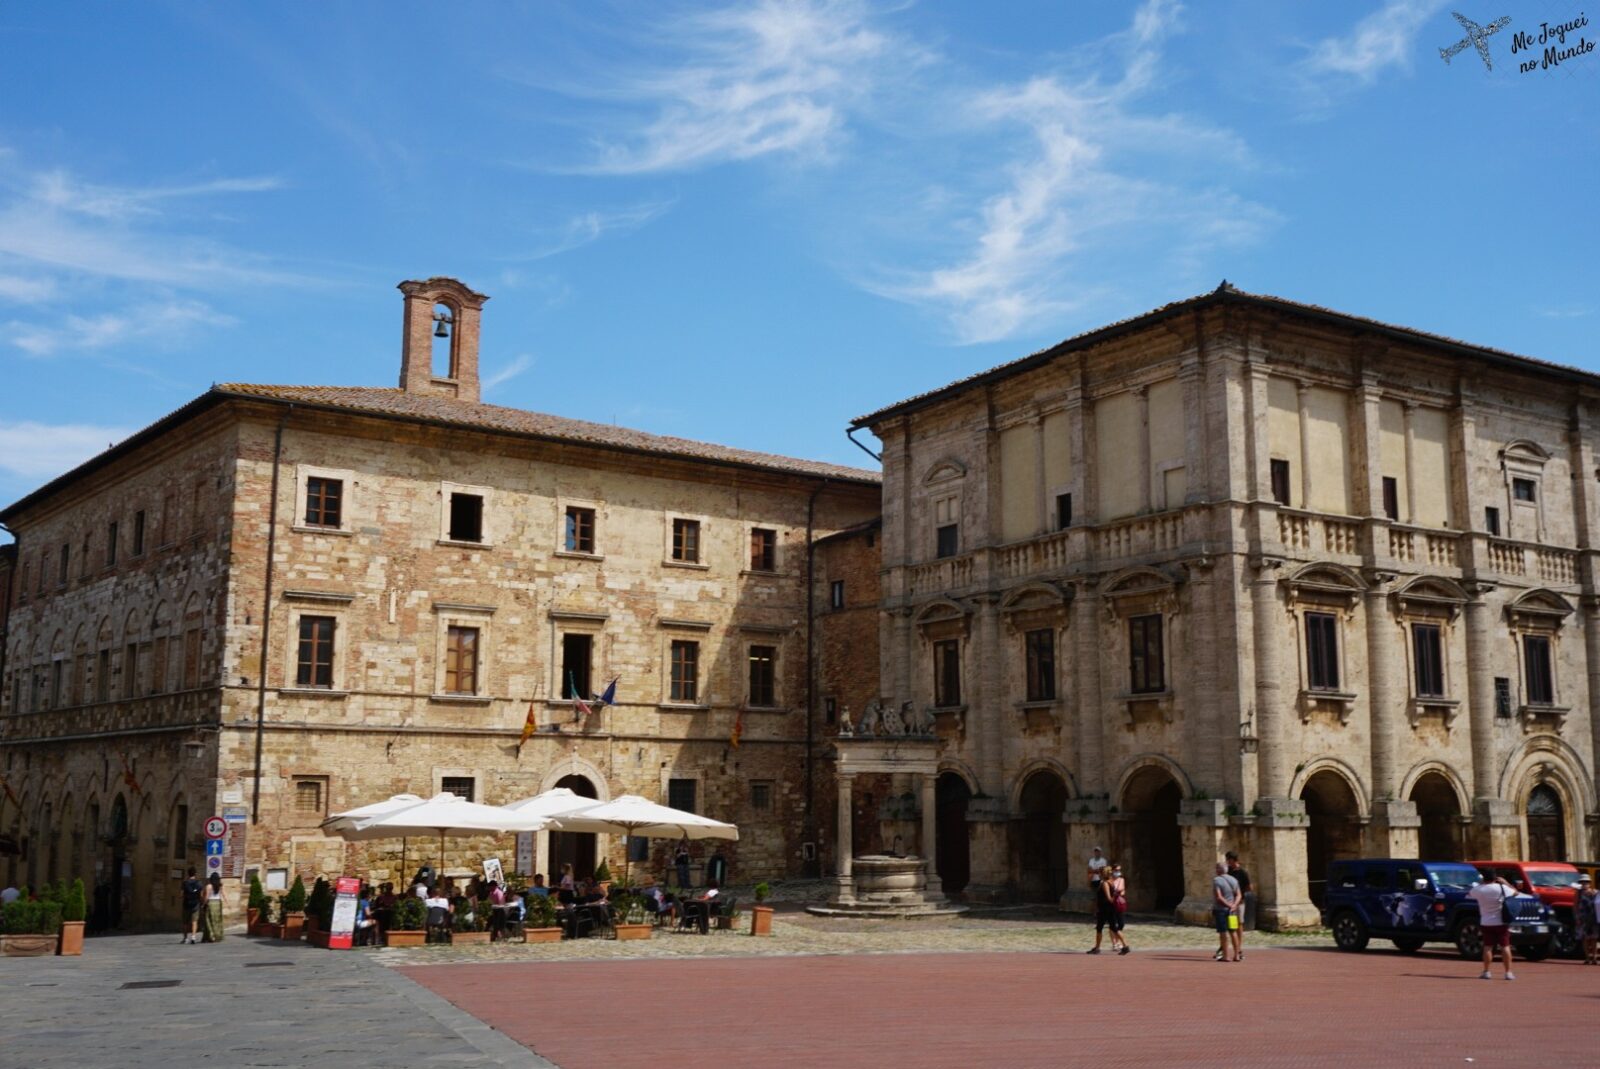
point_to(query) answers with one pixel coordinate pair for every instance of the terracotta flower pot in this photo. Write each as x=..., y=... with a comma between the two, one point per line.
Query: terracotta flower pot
x=293, y=926
x=395, y=938
x=71, y=943
x=250, y=916
x=469, y=938
x=319, y=938
x=760, y=920
x=542, y=935
x=633, y=931
x=27, y=946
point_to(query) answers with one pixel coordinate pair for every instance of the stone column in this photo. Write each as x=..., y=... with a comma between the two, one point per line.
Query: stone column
x=1480, y=693
x=986, y=702
x=1090, y=720
x=845, y=848
x=1146, y=476
x=1271, y=782
x=1280, y=878
x=1591, y=651
x=930, y=850
x=1406, y=408
x=1086, y=829
x=1301, y=390
x=1383, y=699
x=1202, y=824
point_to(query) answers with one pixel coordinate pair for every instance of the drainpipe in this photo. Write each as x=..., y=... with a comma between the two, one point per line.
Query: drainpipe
x=850, y=433
x=266, y=613
x=811, y=668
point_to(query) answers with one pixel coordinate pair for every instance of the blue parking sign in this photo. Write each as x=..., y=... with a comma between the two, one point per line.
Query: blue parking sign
x=214, y=847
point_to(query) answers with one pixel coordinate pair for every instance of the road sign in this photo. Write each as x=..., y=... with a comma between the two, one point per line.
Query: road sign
x=215, y=847
x=216, y=827
x=214, y=864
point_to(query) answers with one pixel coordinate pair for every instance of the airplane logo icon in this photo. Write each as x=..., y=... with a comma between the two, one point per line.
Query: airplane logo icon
x=1477, y=36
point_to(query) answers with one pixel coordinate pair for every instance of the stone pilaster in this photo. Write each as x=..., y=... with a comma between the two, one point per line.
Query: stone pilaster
x=1088, y=730
x=1280, y=855
x=1268, y=629
x=1203, y=823
x=844, y=846
x=1496, y=829
x=929, y=837
x=1480, y=696
x=1394, y=829
x=1384, y=698
x=989, y=843
x=1086, y=821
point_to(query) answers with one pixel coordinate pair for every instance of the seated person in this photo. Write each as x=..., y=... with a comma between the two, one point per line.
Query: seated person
x=538, y=887
x=657, y=901
x=590, y=893
x=699, y=909
x=516, y=908
x=439, y=912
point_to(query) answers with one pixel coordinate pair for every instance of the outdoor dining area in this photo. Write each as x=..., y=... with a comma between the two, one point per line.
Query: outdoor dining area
x=491, y=905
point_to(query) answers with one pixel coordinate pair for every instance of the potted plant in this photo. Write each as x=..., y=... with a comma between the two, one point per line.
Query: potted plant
x=602, y=876
x=319, y=913
x=257, y=904
x=539, y=924
x=761, y=915
x=728, y=914
x=468, y=928
x=408, y=927
x=74, y=908
x=29, y=929
x=633, y=922
x=294, y=911
x=264, y=926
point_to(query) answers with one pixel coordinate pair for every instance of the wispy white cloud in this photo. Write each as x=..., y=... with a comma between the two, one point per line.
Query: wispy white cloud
x=21, y=290
x=1084, y=181
x=41, y=450
x=772, y=77
x=503, y=375
x=59, y=189
x=587, y=227
x=165, y=321
x=1383, y=39
x=1571, y=311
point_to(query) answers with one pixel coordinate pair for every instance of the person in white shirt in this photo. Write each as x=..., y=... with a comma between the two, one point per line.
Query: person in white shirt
x=1097, y=861
x=1493, y=921
x=438, y=914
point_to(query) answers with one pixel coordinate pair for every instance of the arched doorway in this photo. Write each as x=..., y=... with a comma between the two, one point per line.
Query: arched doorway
x=1152, y=844
x=952, y=857
x=119, y=891
x=1334, y=830
x=573, y=848
x=1041, y=858
x=1439, y=837
x=1547, y=825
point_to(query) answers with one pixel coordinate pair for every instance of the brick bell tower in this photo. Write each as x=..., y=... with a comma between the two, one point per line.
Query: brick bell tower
x=439, y=350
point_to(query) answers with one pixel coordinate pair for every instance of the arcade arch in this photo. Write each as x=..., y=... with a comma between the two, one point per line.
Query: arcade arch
x=1334, y=818
x=1040, y=863
x=1146, y=838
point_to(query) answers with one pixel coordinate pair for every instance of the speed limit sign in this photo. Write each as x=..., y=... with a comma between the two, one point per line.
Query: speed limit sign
x=216, y=827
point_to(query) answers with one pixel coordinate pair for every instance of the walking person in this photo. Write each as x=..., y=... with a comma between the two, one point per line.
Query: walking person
x=1247, y=906
x=1225, y=899
x=1116, y=893
x=211, y=897
x=1097, y=862
x=1585, y=920
x=1492, y=896
x=191, y=908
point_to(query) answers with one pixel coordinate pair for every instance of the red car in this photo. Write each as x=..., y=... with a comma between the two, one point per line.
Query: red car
x=1554, y=882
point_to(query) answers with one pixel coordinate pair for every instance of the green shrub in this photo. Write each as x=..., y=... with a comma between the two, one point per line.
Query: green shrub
x=295, y=900
x=541, y=911
x=258, y=897
x=30, y=918
x=76, y=906
x=763, y=889
x=320, y=903
x=410, y=915
x=603, y=872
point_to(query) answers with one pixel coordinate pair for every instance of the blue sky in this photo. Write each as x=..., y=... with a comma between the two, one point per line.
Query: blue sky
x=749, y=224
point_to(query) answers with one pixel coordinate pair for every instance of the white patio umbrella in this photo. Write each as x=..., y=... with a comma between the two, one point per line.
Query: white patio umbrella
x=630, y=814
x=339, y=823
x=564, y=808
x=442, y=815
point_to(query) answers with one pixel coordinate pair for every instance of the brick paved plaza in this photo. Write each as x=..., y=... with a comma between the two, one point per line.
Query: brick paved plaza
x=1012, y=990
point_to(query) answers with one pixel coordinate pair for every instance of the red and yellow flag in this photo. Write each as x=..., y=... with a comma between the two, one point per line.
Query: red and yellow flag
x=129, y=778
x=738, y=729
x=528, y=726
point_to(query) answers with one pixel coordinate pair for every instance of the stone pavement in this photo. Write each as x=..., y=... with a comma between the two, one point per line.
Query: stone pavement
x=239, y=1003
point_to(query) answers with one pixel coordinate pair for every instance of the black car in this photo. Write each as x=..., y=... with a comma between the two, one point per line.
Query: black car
x=1414, y=902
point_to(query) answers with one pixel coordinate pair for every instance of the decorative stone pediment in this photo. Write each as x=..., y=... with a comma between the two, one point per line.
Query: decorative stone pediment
x=1326, y=584
x=943, y=618
x=1139, y=590
x=1035, y=605
x=1429, y=595
x=1526, y=451
x=944, y=470
x=1538, y=610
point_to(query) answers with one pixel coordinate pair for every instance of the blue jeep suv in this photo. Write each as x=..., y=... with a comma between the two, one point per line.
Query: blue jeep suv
x=1415, y=902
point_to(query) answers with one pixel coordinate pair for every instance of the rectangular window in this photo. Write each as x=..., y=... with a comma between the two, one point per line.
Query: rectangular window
x=1427, y=652
x=158, y=666
x=1536, y=660
x=1502, y=697
x=83, y=558
x=58, y=695
x=315, y=659
x=102, y=677
x=1322, y=650
x=466, y=517
x=1491, y=521
x=761, y=795
x=579, y=534
x=169, y=519
x=1391, y=497
x=180, y=832
x=947, y=673
x=576, y=652
x=324, y=501
x=763, y=550
x=138, y=533
x=130, y=670
x=1523, y=489
x=1146, y=659
x=1063, y=511
x=686, y=541
x=947, y=540
x=191, y=658
x=1280, y=481
x=460, y=786
x=1040, y=653
x=111, y=543
x=836, y=594
x=62, y=564
x=197, y=517
x=461, y=660
x=308, y=797
x=763, y=676
x=830, y=710
x=685, y=685
x=681, y=794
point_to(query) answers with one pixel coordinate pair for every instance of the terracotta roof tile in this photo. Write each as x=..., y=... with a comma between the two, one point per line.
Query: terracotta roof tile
x=396, y=403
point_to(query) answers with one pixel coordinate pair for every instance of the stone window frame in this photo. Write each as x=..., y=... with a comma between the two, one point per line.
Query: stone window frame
x=291, y=815
x=562, y=624
x=778, y=554
x=303, y=474
x=447, y=615
x=479, y=780
x=1523, y=459
x=703, y=545
x=1326, y=590
x=698, y=632
x=563, y=503
x=774, y=639
x=1429, y=600
x=302, y=603
x=1538, y=613
x=1140, y=592
x=1036, y=607
x=945, y=482
x=486, y=525
x=942, y=620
